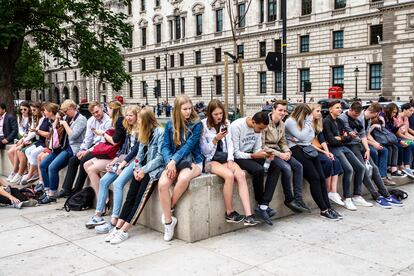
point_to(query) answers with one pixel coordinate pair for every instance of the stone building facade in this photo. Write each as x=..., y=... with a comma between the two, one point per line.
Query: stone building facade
x=179, y=46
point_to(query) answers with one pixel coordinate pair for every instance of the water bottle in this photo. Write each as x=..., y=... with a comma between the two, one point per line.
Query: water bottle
x=115, y=167
x=136, y=161
x=266, y=164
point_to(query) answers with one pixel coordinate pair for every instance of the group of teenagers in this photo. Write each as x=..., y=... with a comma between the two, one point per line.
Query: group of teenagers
x=130, y=146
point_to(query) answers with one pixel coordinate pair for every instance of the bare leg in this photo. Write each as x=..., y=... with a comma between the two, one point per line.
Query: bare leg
x=183, y=180
x=22, y=162
x=93, y=175
x=225, y=173
x=164, y=192
x=334, y=183
x=328, y=184
x=243, y=189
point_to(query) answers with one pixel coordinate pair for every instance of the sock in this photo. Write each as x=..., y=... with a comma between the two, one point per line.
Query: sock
x=263, y=207
x=168, y=223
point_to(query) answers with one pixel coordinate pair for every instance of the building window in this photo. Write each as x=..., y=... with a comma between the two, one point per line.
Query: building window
x=241, y=10
x=306, y=7
x=338, y=76
x=170, y=22
x=271, y=10
x=240, y=50
x=218, y=80
x=157, y=63
x=262, y=48
x=376, y=34
x=103, y=86
x=65, y=75
x=158, y=33
x=198, y=57
x=129, y=8
x=261, y=11
x=338, y=39
x=183, y=26
x=262, y=82
x=158, y=87
x=375, y=76
x=199, y=24
x=278, y=45
x=304, y=77
x=129, y=66
x=182, y=59
x=144, y=36
x=172, y=85
x=157, y=3
x=144, y=86
x=143, y=65
x=75, y=75
x=304, y=43
x=278, y=82
x=177, y=22
x=172, y=60
x=131, y=92
x=340, y=4
x=217, y=54
x=219, y=20
x=143, y=5
x=198, y=86
x=56, y=77
x=182, y=91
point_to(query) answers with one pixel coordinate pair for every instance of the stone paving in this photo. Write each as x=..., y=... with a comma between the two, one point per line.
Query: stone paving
x=371, y=241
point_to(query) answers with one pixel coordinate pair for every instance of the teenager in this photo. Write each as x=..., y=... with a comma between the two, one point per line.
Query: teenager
x=274, y=141
x=217, y=147
x=331, y=167
x=119, y=172
x=299, y=134
x=182, y=156
x=147, y=171
x=406, y=135
x=8, y=127
x=249, y=155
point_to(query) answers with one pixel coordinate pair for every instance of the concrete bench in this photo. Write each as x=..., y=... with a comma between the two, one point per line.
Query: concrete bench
x=200, y=211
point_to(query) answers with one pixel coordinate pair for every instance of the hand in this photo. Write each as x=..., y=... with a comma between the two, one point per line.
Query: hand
x=366, y=155
x=285, y=156
x=14, y=200
x=4, y=141
x=108, y=167
x=139, y=175
x=220, y=135
x=260, y=155
x=171, y=169
x=64, y=123
x=99, y=132
x=329, y=155
x=378, y=146
x=402, y=143
x=81, y=154
x=231, y=165
x=353, y=134
x=32, y=129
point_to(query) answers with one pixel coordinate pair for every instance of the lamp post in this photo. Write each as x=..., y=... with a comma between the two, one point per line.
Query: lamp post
x=166, y=74
x=211, y=88
x=146, y=93
x=356, y=74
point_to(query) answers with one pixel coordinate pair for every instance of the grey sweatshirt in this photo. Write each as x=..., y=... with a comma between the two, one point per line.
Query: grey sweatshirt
x=296, y=136
x=245, y=140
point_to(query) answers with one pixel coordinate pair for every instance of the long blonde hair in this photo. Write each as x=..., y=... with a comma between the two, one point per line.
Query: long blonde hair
x=116, y=111
x=179, y=123
x=317, y=123
x=132, y=129
x=299, y=114
x=148, y=123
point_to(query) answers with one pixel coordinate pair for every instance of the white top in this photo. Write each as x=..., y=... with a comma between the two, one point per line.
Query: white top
x=208, y=149
x=245, y=140
x=90, y=137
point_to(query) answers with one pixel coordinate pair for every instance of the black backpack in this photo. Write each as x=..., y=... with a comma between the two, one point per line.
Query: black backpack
x=399, y=194
x=81, y=200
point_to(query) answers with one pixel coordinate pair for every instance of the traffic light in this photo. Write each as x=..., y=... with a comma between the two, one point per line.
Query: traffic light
x=307, y=86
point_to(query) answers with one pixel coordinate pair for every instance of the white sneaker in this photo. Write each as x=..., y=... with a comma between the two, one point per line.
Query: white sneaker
x=348, y=204
x=336, y=198
x=360, y=201
x=10, y=177
x=111, y=234
x=169, y=229
x=16, y=179
x=120, y=236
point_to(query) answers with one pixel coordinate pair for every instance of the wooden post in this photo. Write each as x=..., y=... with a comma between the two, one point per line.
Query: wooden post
x=241, y=85
x=226, y=83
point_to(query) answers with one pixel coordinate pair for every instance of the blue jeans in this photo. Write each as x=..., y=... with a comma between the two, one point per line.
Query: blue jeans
x=119, y=182
x=380, y=158
x=405, y=154
x=287, y=168
x=51, y=165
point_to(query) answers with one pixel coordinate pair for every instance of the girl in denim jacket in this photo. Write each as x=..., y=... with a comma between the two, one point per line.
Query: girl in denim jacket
x=182, y=156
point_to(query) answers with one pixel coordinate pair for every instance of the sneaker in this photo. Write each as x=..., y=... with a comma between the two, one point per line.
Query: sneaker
x=336, y=198
x=33, y=178
x=46, y=200
x=382, y=202
x=388, y=181
x=262, y=214
x=304, y=206
x=104, y=228
x=23, y=180
x=62, y=193
x=333, y=211
x=348, y=204
x=94, y=221
x=10, y=177
x=329, y=215
x=30, y=203
x=360, y=201
x=234, y=217
x=397, y=174
x=39, y=187
x=169, y=229
x=271, y=212
x=294, y=206
x=251, y=220
x=394, y=202
x=120, y=236
x=16, y=179
x=408, y=172
x=15, y=205
x=111, y=234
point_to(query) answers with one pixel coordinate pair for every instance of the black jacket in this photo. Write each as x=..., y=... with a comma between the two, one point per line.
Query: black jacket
x=10, y=128
x=332, y=128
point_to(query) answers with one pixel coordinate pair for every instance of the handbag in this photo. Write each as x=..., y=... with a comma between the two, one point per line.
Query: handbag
x=106, y=148
x=220, y=156
x=384, y=136
x=369, y=168
x=310, y=152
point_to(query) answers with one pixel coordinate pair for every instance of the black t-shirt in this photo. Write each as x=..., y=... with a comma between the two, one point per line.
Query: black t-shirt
x=44, y=126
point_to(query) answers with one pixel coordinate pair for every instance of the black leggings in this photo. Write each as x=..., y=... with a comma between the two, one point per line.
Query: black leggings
x=14, y=192
x=73, y=166
x=138, y=194
x=313, y=173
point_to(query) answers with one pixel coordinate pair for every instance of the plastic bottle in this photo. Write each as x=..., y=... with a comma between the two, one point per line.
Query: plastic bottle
x=266, y=164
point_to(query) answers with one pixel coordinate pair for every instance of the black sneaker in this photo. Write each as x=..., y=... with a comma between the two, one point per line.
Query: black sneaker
x=304, y=206
x=251, y=220
x=62, y=193
x=234, y=217
x=271, y=212
x=329, y=215
x=333, y=211
x=47, y=200
x=397, y=174
x=294, y=206
x=263, y=215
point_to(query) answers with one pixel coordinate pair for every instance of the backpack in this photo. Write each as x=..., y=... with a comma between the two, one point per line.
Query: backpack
x=399, y=194
x=81, y=200
x=384, y=136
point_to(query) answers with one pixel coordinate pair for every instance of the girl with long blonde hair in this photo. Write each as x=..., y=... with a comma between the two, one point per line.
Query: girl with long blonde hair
x=181, y=153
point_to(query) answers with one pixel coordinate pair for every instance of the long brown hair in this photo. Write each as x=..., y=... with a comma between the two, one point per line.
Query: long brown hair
x=210, y=108
x=36, y=118
x=388, y=111
x=148, y=123
x=116, y=111
x=299, y=114
x=25, y=104
x=178, y=120
x=317, y=123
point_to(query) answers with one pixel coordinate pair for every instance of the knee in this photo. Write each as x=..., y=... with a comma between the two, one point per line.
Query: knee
x=228, y=176
x=163, y=186
x=259, y=172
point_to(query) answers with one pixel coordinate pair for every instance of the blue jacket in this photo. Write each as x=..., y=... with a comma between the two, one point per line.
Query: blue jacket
x=155, y=162
x=189, y=144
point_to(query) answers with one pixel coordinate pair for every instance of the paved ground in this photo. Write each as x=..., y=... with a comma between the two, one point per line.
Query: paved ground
x=371, y=241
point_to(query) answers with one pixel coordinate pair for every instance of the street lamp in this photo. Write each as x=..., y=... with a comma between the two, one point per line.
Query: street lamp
x=166, y=73
x=211, y=87
x=146, y=93
x=356, y=74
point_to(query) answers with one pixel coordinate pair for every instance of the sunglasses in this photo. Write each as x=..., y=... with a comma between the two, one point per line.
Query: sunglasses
x=23, y=109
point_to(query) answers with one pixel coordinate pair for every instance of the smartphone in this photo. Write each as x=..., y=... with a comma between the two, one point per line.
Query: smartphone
x=93, y=129
x=224, y=129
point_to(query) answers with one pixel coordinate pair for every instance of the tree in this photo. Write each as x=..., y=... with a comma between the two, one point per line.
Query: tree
x=84, y=32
